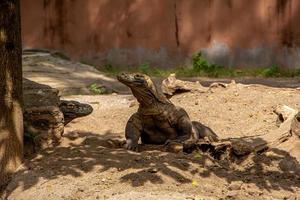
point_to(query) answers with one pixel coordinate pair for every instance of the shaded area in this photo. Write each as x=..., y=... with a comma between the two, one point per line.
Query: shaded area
x=11, y=124
x=85, y=152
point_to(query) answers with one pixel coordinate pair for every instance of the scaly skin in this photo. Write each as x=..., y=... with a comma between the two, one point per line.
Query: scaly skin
x=157, y=120
x=74, y=109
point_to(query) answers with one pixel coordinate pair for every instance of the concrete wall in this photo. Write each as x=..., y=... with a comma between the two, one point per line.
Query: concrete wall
x=167, y=32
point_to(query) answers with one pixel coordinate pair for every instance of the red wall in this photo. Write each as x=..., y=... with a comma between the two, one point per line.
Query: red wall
x=167, y=32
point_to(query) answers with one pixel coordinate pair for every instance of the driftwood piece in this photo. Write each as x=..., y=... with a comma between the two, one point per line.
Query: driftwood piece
x=254, y=144
x=218, y=85
x=171, y=86
x=295, y=126
x=248, y=145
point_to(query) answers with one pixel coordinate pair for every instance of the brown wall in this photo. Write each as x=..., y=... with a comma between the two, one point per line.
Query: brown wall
x=167, y=32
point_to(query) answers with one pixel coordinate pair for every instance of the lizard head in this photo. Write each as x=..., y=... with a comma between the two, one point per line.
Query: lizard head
x=74, y=109
x=142, y=87
x=135, y=80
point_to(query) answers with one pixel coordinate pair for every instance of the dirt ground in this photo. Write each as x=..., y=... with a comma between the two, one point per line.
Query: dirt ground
x=86, y=165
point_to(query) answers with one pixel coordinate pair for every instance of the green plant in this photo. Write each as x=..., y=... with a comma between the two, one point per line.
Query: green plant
x=200, y=67
x=297, y=72
x=96, y=89
x=200, y=64
x=272, y=71
x=108, y=67
x=144, y=68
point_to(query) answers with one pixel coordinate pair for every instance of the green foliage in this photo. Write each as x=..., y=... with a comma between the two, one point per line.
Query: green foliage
x=200, y=64
x=297, y=72
x=96, y=89
x=200, y=67
x=144, y=68
x=108, y=68
x=272, y=71
x=152, y=71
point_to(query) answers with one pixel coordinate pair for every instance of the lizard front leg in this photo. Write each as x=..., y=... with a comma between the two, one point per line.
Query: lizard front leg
x=133, y=132
x=184, y=128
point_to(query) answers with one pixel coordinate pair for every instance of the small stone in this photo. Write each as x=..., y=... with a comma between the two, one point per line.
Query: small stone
x=174, y=147
x=196, y=103
x=231, y=194
x=152, y=170
x=132, y=104
x=235, y=185
x=190, y=198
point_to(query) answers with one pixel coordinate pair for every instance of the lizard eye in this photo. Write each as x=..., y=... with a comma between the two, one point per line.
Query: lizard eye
x=139, y=78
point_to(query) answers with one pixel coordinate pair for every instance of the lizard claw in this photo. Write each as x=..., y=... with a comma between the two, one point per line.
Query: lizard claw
x=131, y=146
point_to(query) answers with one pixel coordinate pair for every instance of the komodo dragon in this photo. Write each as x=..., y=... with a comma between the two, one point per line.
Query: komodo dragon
x=158, y=121
x=74, y=109
x=45, y=115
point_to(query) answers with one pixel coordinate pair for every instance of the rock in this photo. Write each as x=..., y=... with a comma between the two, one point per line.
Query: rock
x=153, y=170
x=218, y=85
x=43, y=120
x=236, y=185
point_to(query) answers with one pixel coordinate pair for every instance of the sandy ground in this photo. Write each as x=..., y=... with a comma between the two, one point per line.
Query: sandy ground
x=87, y=166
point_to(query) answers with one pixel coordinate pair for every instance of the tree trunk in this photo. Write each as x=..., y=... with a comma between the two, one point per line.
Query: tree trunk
x=11, y=119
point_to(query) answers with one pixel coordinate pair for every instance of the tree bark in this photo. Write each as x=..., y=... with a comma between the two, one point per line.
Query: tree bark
x=11, y=119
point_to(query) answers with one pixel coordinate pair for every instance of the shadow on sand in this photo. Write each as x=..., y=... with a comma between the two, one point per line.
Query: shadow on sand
x=85, y=151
